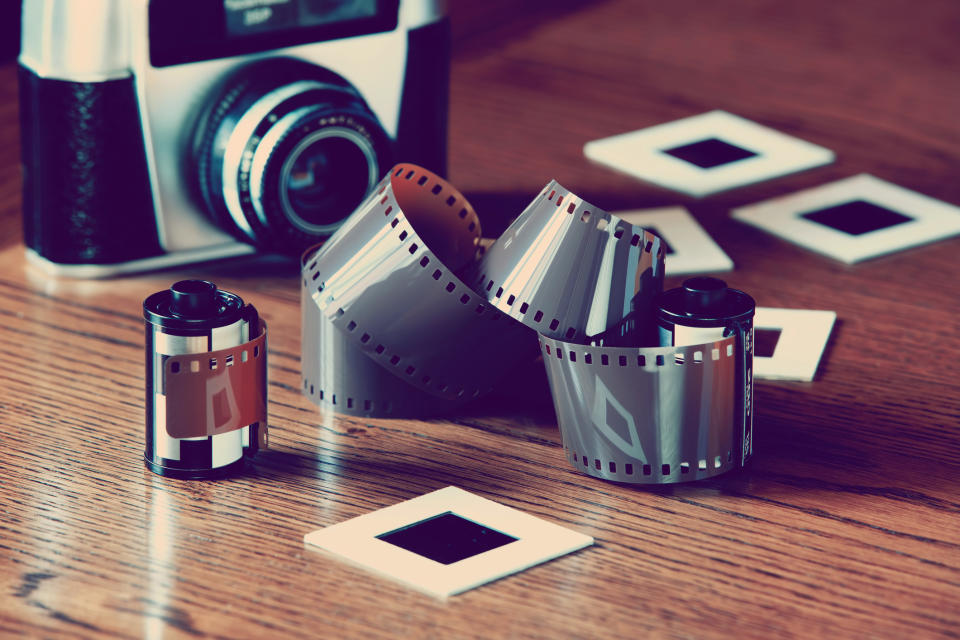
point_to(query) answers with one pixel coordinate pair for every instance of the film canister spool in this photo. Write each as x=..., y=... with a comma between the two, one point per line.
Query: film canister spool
x=705, y=309
x=206, y=381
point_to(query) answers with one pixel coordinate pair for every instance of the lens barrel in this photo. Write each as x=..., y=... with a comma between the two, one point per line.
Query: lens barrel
x=285, y=152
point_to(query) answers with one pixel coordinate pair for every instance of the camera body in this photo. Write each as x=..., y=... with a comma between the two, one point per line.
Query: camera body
x=161, y=132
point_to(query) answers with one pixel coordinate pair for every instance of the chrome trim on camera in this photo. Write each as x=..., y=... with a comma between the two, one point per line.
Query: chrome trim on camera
x=76, y=41
x=152, y=263
x=241, y=135
x=264, y=150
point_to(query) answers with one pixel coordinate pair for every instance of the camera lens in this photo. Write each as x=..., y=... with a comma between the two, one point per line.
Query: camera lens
x=327, y=173
x=286, y=152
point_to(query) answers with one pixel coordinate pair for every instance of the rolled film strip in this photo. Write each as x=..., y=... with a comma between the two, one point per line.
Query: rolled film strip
x=580, y=277
x=343, y=378
x=646, y=415
x=627, y=411
x=388, y=285
x=217, y=391
x=570, y=270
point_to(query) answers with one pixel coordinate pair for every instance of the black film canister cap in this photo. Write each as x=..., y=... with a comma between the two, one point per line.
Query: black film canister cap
x=704, y=302
x=193, y=305
x=193, y=299
x=704, y=293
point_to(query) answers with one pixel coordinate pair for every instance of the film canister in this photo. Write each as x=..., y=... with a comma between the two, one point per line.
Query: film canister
x=705, y=309
x=206, y=381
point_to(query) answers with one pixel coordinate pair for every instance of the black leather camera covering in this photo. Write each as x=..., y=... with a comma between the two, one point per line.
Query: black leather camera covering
x=86, y=192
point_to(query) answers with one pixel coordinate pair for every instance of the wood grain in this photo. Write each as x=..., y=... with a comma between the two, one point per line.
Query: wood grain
x=845, y=524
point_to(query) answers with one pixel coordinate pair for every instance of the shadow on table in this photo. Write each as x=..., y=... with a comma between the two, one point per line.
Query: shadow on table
x=524, y=391
x=393, y=469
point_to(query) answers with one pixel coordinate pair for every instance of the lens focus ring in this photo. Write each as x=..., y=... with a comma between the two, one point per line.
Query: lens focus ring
x=287, y=153
x=312, y=170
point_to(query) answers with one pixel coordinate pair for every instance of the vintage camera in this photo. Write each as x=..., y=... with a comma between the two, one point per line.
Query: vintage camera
x=160, y=132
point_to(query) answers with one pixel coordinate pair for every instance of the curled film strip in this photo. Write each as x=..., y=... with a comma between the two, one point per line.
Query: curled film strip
x=387, y=284
x=641, y=414
x=390, y=326
x=645, y=415
x=217, y=391
x=570, y=270
x=343, y=378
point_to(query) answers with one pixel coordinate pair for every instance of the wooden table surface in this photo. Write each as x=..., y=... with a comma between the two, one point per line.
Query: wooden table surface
x=845, y=524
